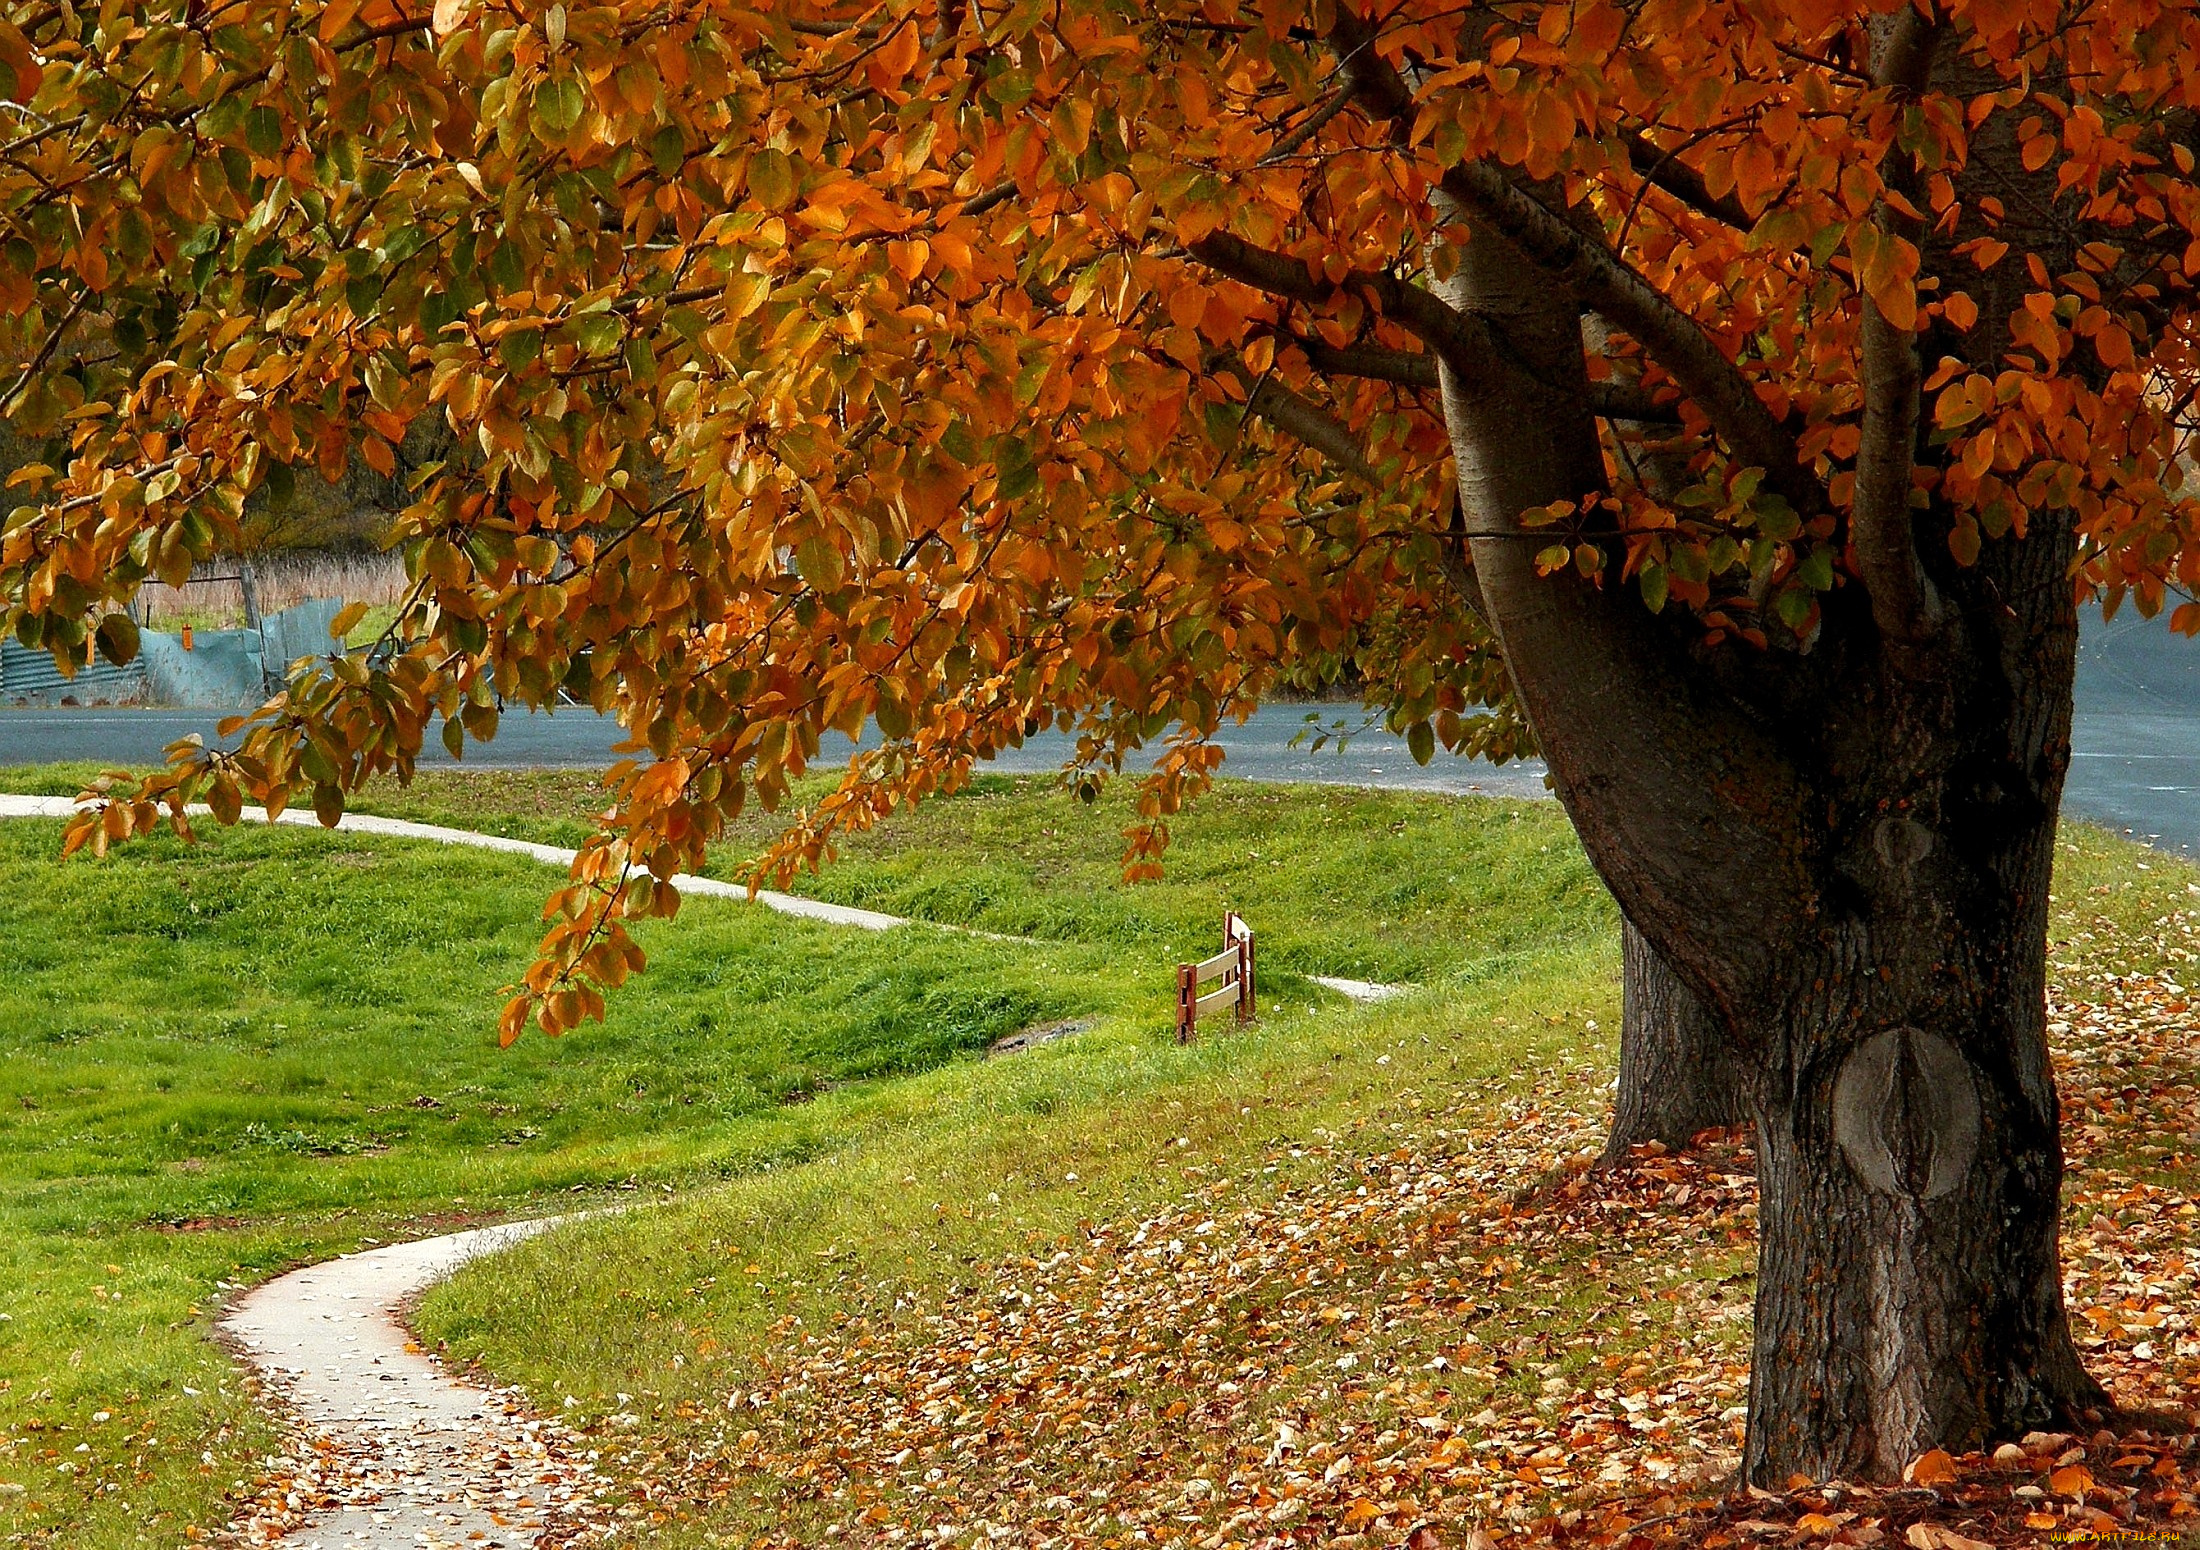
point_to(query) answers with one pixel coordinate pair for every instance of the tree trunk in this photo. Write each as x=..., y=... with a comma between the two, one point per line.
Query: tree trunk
x=1678, y=1072
x=1843, y=855
x=1909, y=1172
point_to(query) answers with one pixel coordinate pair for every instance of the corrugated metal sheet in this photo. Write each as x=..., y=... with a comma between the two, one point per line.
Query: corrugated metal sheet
x=222, y=671
x=30, y=677
x=300, y=631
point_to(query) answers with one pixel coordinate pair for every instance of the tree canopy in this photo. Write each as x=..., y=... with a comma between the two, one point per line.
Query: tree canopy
x=960, y=370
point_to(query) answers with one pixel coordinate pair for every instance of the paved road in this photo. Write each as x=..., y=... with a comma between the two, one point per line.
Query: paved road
x=1259, y=750
x=2136, y=742
x=2135, y=745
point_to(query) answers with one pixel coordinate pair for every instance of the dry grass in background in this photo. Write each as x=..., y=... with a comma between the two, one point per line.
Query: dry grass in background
x=357, y=575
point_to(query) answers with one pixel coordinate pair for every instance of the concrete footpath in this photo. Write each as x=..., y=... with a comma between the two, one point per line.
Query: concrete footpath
x=549, y=855
x=404, y=1456
x=419, y=1458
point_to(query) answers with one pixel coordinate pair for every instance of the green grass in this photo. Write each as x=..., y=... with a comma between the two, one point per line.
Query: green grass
x=215, y=1062
x=1377, y=885
x=219, y=1061
x=661, y=1313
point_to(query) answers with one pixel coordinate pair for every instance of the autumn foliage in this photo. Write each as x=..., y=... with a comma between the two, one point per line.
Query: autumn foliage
x=958, y=371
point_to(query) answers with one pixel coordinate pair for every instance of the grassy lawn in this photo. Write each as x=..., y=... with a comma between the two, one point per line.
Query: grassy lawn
x=1376, y=885
x=276, y=1045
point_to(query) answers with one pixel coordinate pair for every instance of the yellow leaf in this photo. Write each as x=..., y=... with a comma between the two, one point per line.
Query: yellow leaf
x=346, y=620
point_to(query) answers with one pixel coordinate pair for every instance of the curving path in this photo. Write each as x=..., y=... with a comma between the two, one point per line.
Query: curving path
x=549, y=855
x=553, y=855
x=425, y=1459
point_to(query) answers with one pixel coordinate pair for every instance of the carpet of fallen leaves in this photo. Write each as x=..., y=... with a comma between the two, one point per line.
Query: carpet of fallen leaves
x=1455, y=1334
x=335, y=1488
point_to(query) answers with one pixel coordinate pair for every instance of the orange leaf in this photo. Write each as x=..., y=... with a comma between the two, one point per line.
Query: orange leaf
x=2071, y=1480
x=1934, y=1468
x=337, y=17
x=15, y=53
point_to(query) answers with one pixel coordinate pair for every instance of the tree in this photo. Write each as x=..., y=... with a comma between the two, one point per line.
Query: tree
x=1679, y=1073
x=1755, y=389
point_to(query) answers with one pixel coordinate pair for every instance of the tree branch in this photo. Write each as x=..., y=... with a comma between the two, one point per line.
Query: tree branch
x=1602, y=280
x=1458, y=338
x=1905, y=604
x=1300, y=417
x=1665, y=170
x=1605, y=281
x=1416, y=369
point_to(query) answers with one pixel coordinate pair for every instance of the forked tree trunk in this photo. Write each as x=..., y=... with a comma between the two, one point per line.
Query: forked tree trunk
x=1844, y=856
x=1678, y=1070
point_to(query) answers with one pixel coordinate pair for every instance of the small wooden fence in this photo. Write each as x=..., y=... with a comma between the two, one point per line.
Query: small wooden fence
x=1231, y=973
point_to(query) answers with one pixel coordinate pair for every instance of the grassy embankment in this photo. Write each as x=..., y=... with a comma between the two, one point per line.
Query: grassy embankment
x=900, y=1249
x=277, y=1046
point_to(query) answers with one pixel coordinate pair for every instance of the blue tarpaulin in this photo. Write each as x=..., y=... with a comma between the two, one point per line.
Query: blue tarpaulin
x=223, y=670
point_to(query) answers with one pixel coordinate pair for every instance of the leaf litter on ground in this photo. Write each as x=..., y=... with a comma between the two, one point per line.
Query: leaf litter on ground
x=1455, y=1333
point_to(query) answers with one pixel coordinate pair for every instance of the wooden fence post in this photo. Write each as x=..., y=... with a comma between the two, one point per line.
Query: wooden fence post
x=1233, y=966
x=1242, y=934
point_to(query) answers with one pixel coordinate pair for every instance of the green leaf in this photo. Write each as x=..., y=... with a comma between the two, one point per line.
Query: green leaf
x=771, y=178
x=438, y=310
x=598, y=333
x=668, y=149
x=1652, y=579
x=507, y=267
x=559, y=104
x=1421, y=742
x=1010, y=88
x=222, y=116
x=118, y=639
x=819, y=562
x=1775, y=517
x=263, y=131
x=519, y=348
x=1816, y=571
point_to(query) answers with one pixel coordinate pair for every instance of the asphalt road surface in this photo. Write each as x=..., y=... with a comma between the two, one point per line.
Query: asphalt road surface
x=2135, y=763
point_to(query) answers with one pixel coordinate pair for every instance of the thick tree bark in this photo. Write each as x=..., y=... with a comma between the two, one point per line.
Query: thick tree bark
x=1909, y=1155
x=1839, y=846
x=1678, y=1071
x=1846, y=861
